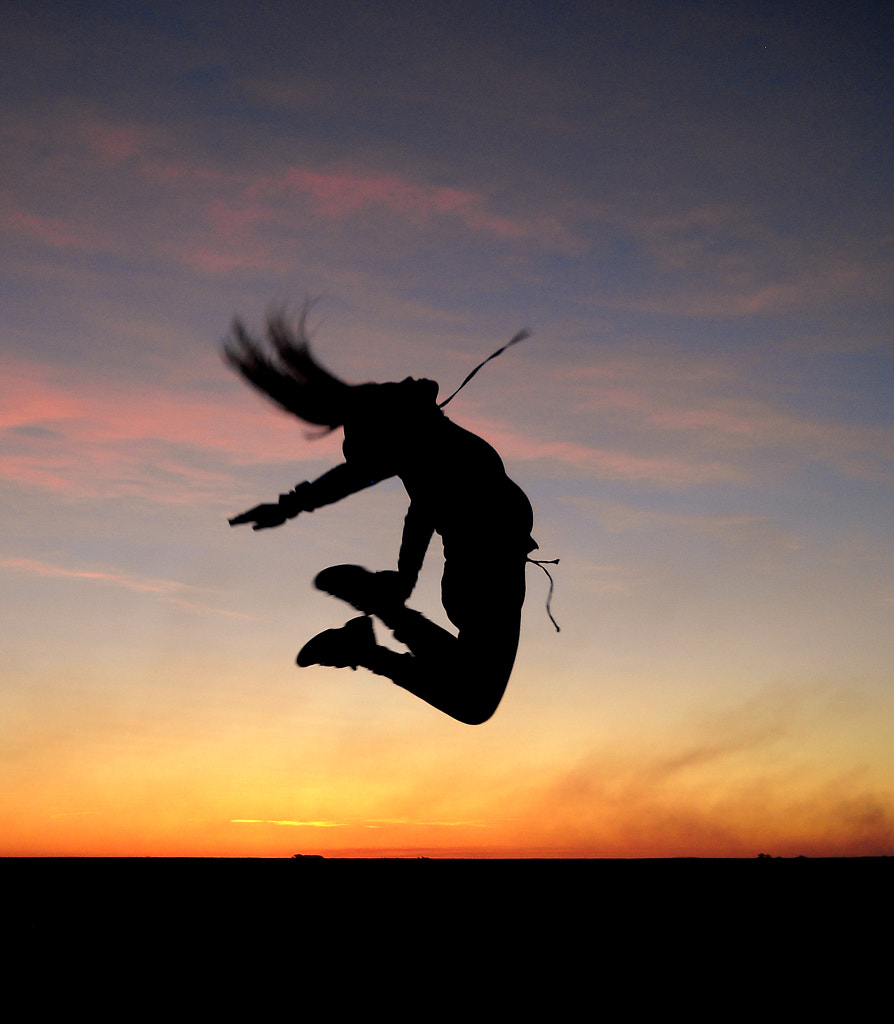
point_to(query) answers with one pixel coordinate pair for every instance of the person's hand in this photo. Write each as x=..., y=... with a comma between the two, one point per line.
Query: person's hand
x=264, y=517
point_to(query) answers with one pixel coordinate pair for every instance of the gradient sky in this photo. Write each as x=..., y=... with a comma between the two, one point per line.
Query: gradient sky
x=689, y=205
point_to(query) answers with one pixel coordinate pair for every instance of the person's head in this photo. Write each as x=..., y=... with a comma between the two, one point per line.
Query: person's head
x=287, y=372
x=399, y=401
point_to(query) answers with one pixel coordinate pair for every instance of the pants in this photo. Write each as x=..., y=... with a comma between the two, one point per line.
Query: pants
x=464, y=676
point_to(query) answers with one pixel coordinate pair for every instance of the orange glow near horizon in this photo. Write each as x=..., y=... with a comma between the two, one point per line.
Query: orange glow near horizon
x=145, y=790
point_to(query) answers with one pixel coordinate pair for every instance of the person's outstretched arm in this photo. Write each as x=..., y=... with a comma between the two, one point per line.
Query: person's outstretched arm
x=338, y=483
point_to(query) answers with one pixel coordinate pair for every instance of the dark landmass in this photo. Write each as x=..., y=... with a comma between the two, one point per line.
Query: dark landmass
x=108, y=884
x=572, y=915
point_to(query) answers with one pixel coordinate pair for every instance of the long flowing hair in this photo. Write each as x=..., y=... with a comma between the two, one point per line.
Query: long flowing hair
x=285, y=371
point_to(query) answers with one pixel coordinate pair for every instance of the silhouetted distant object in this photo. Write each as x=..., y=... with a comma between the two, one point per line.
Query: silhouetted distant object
x=458, y=488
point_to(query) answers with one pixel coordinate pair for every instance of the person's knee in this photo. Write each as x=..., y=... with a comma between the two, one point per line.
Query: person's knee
x=478, y=709
x=476, y=717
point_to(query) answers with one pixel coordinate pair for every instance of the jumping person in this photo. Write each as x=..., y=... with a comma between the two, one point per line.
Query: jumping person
x=457, y=486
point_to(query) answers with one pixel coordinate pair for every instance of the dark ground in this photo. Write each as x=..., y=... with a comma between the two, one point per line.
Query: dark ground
x=460, y=939
x=67, y=900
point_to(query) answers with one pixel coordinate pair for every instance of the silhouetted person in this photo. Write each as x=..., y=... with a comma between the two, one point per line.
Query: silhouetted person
x=458, y=488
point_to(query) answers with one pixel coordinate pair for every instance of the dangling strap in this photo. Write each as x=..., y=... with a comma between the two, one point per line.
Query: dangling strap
x=543, y=563
x=519, y=337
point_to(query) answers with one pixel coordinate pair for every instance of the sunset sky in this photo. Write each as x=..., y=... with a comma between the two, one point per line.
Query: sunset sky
x=689, y=205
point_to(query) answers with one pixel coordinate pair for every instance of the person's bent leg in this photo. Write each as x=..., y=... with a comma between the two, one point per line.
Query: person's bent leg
x=468, y=684
x=464, y=676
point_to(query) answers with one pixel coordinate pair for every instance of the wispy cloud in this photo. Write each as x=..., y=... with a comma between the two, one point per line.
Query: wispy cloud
x=751, y=777
x=609, y=464
x=223, y=216
x=55, y=232
x=708, y=417
x=423, y=823
x=373, y=823
x=168, y=590
x=736, y=529
x=285, y=821
x=91, y=437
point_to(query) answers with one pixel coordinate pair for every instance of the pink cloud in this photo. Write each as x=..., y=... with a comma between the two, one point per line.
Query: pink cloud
x=215, y=256
x=90, y=438
x=98, y=411
x=58, y=232
x=221, y=218
x=736, y=420
x=339, y=194
x=684, y=423
x=615, y=464
x=252, y=222
x=34, y=567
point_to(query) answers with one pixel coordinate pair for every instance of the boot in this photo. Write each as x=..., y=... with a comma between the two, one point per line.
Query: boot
x=374, y=593
x=352, y=645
